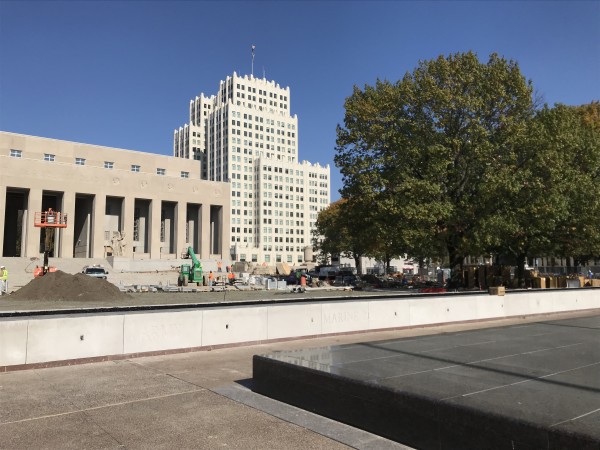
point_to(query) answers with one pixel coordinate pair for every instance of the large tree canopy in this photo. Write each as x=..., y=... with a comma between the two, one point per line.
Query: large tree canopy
x=574, y=133
x=421, y=152
x=545, y=193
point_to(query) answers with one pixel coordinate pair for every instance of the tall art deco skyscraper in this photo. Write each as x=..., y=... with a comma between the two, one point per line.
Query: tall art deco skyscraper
x=245, y=136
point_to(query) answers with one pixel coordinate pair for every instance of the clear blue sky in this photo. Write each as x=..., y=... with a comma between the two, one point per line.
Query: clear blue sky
x=121, y=73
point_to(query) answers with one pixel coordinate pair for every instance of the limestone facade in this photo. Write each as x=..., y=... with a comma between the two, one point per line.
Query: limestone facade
x=117, y=202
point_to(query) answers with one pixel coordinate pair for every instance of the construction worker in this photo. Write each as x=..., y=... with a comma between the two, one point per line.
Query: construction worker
x=211, y=278
x=3, y=280
x=219, y=265
x=51, y=216
x=231, y=277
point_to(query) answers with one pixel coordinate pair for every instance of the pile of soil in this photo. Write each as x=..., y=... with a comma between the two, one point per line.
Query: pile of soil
x=63, y=286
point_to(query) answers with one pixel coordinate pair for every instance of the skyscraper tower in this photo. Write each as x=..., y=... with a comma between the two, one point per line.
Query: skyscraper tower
x=245, y=136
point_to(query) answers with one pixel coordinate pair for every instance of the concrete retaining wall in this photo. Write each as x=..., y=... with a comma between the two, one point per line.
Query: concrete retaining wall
x=43, y=339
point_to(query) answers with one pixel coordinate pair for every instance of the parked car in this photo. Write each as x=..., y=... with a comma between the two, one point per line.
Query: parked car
x=95, y=271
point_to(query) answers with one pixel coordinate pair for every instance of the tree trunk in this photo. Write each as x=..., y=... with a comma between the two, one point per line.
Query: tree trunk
x=358, y=263
x=456, y=265
x=521, y=260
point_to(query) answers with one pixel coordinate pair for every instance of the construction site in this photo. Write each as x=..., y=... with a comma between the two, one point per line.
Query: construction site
x=212, y=319
x=66, y=282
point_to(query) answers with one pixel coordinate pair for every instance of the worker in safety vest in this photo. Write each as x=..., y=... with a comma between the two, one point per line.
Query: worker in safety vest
x=211, y=278
x=231, y=277
x=3, y=280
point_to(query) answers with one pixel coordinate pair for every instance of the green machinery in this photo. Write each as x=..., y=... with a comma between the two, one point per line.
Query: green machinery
x=190, y=273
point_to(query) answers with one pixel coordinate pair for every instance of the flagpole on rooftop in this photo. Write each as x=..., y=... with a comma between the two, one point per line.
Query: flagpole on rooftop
x=252, y=72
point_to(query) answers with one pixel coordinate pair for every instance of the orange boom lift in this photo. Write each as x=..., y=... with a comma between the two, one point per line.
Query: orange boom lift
x=50, y=220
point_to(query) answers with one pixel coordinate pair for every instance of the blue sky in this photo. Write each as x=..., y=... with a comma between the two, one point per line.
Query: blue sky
x=121, y=73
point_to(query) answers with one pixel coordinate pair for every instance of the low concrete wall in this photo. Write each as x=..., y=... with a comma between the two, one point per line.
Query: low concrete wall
x=45, y=339
x=145, y=264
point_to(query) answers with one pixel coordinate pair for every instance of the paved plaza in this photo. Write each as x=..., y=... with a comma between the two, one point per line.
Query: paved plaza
x=205, y=399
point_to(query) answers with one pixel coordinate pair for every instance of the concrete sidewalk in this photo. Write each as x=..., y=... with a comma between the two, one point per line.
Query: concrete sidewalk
x=195, y=400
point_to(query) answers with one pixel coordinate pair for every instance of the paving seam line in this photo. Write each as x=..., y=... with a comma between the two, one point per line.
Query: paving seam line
x=103, y=406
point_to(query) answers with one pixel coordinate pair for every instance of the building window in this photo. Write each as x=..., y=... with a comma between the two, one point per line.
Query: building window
x=135, y=168
x=242, y=257
x=185, y=174
x=109, y=164
x=160, y=171
x=16, y=153
x=267, y=258
x=48, y=157
x=80, y=161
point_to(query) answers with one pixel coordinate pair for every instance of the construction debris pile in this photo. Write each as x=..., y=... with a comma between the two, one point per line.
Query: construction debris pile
x=61, y=286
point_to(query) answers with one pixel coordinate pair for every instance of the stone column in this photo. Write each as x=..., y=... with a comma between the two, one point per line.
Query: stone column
x=127, y=225
x=180, y=225
x=34, y=204
x=220, y=233
x=68, y=234
x=98, y=226
x=155, y=244
x=225, y=227
x=204, y=224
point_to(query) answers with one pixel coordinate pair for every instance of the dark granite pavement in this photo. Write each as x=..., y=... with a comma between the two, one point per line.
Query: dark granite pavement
x=534, y=385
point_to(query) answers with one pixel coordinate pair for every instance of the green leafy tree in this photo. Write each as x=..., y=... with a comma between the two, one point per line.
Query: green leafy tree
x=524, y=197
x=338, y=233
x=330, y=237
x=575, y=134
x=420, y=150
x=542, y=196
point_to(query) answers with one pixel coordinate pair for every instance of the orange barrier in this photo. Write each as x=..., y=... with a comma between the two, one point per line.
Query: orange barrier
x=38, y=271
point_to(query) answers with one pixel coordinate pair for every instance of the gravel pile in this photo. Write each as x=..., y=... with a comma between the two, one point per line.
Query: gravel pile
x=60, y=286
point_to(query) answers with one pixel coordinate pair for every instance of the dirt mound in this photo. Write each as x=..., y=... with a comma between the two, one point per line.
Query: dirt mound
x=63, y=286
